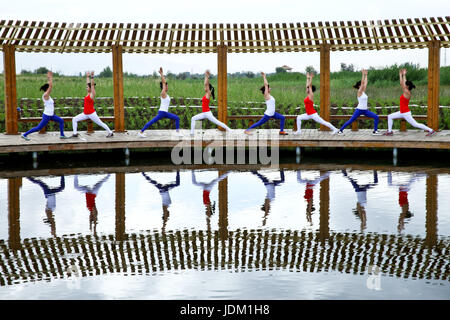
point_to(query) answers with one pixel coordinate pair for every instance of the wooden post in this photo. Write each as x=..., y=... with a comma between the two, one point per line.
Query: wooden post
x=222, y=84
x=120, y=206
x=431, y=206
x=324, y=228
x=119, y=110
x=223, y=207
x=434, y=47
x=325, y=84
x=11, y=115
x=14, y=185
x=355, y=125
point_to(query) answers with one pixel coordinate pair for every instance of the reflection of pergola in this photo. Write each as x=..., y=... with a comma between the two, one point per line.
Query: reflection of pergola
x=26, y=36
x=148, y=252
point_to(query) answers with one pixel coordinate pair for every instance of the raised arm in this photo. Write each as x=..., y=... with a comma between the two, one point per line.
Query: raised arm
x=206, y=84
x=363, y=86
x=50, y=85
x=402, y=75
x=84, y=189
x=164, y=87
x=90, y=79
x=309, y=77
x=266, y=87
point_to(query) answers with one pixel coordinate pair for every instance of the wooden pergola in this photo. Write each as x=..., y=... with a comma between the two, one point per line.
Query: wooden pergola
x=118, y=38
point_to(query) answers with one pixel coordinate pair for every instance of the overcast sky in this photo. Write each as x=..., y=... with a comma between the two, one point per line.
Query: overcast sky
x=230, y=11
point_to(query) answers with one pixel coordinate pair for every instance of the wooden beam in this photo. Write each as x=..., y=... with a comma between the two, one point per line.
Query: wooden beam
x=120, y=206
x=14, y=185
x=119, y=107
x=222, y=84
x=223, y=207
x=11, y=115
x=324, y=228
x=434, y=47
x=431, y=206
x=325, y=84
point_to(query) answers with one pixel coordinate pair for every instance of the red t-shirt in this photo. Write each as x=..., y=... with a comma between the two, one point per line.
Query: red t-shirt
x=309, y=192
x=309, y=106
x=90, y=200
x=88, y=105
x=206, y=197
x=404, y=104
x=205, y=104
x=402, y=198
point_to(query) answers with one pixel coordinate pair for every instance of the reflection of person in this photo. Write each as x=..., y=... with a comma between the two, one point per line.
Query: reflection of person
x=361, y=194
x=403, y=189
x=309, y=191
x=165, y=197
x=50, y=206
x=270, y=195
x=91, y=194
x=207, y=187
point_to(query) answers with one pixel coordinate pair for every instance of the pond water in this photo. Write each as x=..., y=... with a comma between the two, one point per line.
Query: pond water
x=298, y=232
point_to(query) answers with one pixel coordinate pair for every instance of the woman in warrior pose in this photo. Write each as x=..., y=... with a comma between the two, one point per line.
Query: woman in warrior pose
x=49, y=110
x=163, y=109
x=362, y=108
x=89, y=111
x=404, y=112
x=206, y=112
x=270, y=110
x=311, y=113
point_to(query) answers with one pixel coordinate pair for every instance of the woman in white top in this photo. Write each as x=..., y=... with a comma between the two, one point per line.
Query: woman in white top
x=49, y=110
x=270, y=110
x=163, y=109
x=362, y=108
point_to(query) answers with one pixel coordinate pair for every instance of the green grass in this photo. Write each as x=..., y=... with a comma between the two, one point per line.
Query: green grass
x=287, y=88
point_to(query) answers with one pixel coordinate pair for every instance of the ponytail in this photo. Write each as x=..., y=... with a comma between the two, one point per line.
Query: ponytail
x=211, y=88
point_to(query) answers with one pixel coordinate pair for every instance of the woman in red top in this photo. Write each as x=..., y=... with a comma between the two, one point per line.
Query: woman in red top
x=206, y=112
x=404, y=112
x=89, y=111
x=311, y=113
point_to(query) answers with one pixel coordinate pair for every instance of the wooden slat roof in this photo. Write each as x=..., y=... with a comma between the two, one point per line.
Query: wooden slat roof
x=39, y=36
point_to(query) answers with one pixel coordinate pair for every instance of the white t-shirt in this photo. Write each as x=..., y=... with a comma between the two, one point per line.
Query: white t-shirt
x=165, y=102
x=270, y=110
x=49, y=106
x=362, y=102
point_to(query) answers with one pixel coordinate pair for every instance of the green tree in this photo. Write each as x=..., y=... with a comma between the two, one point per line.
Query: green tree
x=106, y=73
x=41, y=70
x=280, y=70
x=310, y=69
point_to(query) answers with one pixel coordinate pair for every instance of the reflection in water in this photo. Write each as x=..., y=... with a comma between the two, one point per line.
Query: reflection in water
x=207, y=187
x=361, y=194
x=309, y=191
x=403, y=189
x=243, y=248
x=270, y=195
x=165, y=196
x=50, y=206
x=91, y=194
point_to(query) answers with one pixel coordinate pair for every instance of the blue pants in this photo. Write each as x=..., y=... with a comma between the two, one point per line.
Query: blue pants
x=266, y=118
x=366, y=113
x=43, y=123
x=161, y=115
